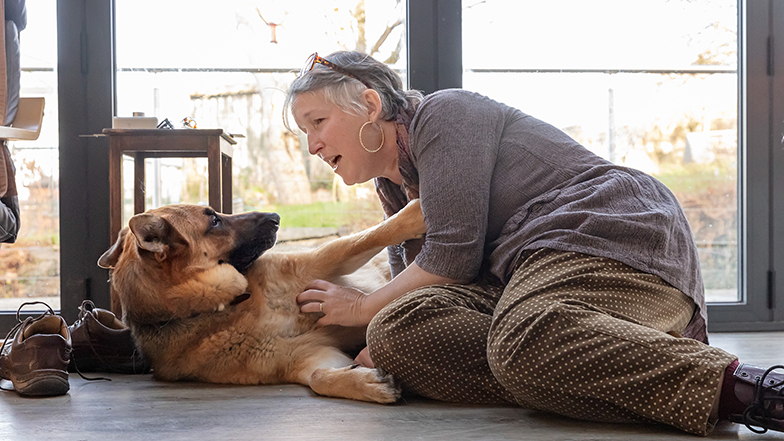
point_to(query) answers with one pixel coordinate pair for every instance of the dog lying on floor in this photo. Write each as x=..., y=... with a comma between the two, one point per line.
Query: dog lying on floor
x=205, y=304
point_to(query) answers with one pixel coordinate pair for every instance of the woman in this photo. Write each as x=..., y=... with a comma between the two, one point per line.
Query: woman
x=549, y=277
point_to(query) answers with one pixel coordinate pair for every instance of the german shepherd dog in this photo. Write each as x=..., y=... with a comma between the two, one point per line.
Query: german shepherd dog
x=206, y=303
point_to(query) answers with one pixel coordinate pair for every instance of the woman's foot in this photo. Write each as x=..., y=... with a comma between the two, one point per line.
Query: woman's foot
x=760, y=391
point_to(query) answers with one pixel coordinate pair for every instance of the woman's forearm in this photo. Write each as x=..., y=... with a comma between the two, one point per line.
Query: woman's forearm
x=410, y=279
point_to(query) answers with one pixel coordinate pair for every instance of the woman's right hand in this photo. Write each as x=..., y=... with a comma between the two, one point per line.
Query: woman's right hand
x=341, y=305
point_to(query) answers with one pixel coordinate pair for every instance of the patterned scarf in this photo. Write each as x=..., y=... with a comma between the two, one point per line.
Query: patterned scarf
x=393, y=197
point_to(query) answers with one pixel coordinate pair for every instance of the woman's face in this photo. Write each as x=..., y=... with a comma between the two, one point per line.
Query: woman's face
x=333, y=136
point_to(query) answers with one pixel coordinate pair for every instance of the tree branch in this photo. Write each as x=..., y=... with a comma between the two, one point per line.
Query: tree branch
x=384, y=36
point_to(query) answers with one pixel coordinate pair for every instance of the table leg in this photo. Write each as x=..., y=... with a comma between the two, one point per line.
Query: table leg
x=214, y=173
x=138, y=182
x=115, y=190
x=226, y=184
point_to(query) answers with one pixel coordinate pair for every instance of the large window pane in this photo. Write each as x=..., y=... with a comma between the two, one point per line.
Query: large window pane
x=226, y=65
x=649, y=84
x=30, y=268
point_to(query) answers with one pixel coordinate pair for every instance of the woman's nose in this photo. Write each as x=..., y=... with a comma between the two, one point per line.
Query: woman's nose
x=313, y=144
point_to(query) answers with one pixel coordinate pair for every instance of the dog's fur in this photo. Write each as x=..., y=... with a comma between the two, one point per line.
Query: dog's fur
x=202, y=305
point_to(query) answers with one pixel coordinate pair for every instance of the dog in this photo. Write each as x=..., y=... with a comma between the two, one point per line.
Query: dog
x=206, y=302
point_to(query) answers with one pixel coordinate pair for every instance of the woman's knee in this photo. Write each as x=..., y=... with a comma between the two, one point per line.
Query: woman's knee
x=518, y=340
x=395, y=319
x=420, y=317
x=379, y=335
x=416, y=308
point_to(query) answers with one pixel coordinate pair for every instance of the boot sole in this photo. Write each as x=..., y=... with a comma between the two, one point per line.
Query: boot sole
x=43, y=383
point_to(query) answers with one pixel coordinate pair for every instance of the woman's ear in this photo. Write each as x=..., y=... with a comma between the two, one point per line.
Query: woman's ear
x=373, y=103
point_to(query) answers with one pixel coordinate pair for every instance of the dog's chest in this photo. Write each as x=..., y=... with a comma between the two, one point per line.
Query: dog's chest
x=280, y=310
x=284, y=323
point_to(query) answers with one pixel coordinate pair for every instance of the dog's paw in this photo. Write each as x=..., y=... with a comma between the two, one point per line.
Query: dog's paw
x=357, y=383
x=381, y=387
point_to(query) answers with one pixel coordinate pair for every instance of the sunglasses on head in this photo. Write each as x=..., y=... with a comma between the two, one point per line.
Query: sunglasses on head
x=315, y=59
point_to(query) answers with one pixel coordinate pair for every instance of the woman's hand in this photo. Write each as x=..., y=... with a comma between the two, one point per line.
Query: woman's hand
x=340, y=305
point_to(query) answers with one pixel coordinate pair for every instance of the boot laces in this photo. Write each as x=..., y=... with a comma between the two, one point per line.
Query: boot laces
x=6, y=344
x=86, y=308
x=765, y=398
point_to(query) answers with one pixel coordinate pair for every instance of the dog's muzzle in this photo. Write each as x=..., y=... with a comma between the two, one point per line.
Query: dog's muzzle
x=258, y=233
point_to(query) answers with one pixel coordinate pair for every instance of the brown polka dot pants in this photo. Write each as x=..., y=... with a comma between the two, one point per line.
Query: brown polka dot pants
x=577, y=335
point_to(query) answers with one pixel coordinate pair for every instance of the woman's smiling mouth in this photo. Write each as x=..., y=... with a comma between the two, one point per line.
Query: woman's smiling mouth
x=332, y=162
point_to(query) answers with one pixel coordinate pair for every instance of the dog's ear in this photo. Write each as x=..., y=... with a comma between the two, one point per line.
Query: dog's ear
x=155, y=234
x=112, y=255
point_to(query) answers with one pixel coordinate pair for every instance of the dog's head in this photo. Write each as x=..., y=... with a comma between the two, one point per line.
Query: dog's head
x=192, y=235
x=180, y=260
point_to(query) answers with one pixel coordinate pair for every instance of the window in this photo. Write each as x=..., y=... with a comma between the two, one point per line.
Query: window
x=435, y=49
x=30, y=268
x=649, y=84
x=227, y=66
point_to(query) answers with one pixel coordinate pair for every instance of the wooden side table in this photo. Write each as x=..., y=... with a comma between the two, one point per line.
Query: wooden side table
x=214, y=144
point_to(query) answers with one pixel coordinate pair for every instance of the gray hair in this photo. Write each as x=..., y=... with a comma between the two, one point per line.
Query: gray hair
x=345, y=92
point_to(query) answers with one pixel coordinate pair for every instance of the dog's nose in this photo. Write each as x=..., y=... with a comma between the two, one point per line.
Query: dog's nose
x=272, y=217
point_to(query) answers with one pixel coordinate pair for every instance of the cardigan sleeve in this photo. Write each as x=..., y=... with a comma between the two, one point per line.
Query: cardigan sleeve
x=455, y=138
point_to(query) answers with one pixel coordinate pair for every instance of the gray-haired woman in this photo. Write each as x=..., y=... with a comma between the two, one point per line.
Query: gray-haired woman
x=549, y=277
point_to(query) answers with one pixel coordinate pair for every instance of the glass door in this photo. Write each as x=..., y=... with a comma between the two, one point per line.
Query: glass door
x=648, y=84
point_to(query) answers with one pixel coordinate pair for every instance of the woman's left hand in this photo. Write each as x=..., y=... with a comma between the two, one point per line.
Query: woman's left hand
x=339, y=304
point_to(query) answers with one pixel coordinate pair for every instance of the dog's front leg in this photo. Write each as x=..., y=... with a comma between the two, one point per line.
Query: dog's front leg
x=330, y=373
x=346, y=254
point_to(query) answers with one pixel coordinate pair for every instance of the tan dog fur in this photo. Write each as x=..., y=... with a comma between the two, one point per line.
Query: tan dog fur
x=191, y=315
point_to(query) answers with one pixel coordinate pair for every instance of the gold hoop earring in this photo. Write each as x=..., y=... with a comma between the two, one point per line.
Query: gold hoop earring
x=363, y=143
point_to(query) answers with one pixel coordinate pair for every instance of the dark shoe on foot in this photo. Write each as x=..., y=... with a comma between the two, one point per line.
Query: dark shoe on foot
x=761, y=390
x=102, y=343
x=35, y=355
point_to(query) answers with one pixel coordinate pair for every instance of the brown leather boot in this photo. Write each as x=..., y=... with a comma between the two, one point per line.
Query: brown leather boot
x=102, y=343
x=761, y=390
x=35, y=361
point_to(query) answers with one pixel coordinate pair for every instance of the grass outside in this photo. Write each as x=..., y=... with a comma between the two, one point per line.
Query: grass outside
x=354, y=215
x=696, y=179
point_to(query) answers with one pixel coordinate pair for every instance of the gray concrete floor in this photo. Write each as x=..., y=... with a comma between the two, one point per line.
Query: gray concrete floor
x=139, y=408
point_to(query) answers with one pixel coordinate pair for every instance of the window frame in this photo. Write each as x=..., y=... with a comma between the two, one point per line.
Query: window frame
x=759, y=309
x=86, y=80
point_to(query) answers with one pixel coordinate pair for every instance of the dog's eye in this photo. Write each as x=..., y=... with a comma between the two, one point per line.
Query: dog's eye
x=215, y=221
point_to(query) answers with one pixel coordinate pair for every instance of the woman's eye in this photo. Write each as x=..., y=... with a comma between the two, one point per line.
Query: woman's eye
x=318, y=121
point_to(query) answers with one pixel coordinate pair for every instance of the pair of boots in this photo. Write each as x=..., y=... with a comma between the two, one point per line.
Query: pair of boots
x=39, y=351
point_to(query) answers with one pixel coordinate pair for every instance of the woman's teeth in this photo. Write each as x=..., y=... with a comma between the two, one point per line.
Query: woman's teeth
x=333, y=162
